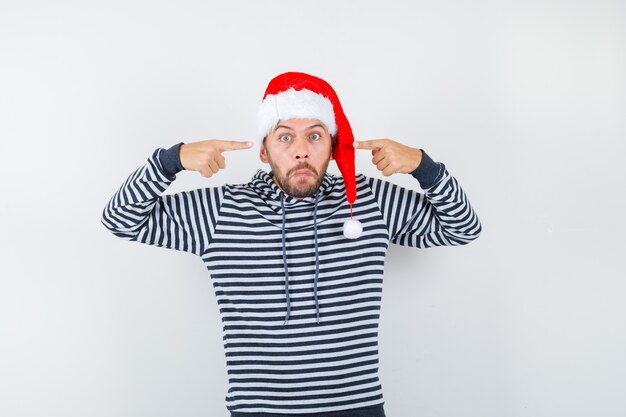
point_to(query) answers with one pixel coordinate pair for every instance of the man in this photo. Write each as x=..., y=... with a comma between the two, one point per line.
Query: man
x=296, y=255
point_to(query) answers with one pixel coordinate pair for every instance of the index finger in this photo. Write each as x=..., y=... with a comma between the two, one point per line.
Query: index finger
x=368, y=144
x=233, y=145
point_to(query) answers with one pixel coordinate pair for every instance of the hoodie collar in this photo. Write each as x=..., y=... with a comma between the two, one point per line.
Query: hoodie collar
x=267, y=187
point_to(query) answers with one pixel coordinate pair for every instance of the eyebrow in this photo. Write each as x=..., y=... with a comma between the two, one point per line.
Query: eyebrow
x=308, y=128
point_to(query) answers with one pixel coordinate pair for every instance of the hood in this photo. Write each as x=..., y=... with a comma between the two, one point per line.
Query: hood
x=263, y=184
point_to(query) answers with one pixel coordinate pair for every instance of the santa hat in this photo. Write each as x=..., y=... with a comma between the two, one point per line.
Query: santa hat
x=296, y=95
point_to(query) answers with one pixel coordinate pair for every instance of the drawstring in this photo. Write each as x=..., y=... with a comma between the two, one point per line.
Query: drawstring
x=317, y=260
x=282, y=206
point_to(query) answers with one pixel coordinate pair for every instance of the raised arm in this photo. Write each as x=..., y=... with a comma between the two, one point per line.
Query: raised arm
x=183, y=221
x=441, y=216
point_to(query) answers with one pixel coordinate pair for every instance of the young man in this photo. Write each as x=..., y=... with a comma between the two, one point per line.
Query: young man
x=296, y=255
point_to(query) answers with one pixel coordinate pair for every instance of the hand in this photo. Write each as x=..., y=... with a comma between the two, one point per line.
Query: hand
x=206, y=156
x=391, y=157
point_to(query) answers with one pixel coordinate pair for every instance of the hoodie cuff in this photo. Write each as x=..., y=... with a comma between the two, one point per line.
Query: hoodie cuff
x=170, y=159
x=428, y=172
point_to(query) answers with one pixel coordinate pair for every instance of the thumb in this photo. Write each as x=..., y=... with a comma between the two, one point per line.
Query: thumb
x=232, y=145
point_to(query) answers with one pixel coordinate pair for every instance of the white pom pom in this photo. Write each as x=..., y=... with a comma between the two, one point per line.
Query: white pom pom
x=352, y=229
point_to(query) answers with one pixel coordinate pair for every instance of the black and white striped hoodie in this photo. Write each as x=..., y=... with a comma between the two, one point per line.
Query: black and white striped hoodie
x=299, y=302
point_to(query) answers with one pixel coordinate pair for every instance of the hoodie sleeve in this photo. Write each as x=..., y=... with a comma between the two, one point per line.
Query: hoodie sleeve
x=183, y=221
x=441, y=216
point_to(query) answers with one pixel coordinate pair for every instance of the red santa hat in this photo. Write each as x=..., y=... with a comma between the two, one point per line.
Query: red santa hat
x=296, y=95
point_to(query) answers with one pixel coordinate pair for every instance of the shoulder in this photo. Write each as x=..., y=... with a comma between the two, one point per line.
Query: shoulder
x=362, y=179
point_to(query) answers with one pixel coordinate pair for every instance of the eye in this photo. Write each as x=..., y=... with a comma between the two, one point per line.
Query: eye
x=315, y=136
x=280, y=138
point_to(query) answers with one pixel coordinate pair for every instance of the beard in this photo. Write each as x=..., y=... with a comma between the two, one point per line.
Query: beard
x=298, y=187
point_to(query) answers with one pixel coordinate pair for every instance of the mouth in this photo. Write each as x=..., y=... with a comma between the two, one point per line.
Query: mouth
x=302, y=173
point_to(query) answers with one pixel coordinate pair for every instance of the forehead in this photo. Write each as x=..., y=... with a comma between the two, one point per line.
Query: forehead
x=300, y=124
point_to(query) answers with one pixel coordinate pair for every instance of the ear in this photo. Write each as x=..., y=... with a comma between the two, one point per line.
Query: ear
x=263, y=154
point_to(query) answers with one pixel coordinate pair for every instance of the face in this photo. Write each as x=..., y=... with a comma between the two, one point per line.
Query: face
x=298, y=151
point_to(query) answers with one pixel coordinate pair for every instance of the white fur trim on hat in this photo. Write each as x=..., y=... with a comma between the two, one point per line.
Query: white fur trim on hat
x=294, y=104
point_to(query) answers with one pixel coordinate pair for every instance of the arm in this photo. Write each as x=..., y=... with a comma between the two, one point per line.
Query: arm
x=183, y=221
x=442, y=216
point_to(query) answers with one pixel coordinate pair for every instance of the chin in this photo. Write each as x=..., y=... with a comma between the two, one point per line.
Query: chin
x=301, y=185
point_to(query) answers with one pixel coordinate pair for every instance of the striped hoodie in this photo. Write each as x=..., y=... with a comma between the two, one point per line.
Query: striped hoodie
x=299, y=302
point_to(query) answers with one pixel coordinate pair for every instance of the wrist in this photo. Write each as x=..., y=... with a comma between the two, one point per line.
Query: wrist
x=428, y=172
x=170, y=159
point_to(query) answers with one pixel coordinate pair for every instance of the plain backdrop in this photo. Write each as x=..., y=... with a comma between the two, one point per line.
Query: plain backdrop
x=524, y=101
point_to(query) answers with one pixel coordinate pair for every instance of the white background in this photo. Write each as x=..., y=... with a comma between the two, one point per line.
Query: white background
x=524, y=101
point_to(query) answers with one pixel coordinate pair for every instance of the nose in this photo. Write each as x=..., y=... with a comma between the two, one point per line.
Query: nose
x=301, y=149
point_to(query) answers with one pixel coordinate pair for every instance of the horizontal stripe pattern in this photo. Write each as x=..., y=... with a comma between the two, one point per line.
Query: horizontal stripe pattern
x=442, y=216
x=236, y=229
x=139, y=212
